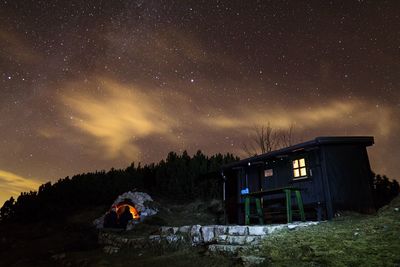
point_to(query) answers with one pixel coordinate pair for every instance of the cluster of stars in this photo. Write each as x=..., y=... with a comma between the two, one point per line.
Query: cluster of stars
x=213, y=68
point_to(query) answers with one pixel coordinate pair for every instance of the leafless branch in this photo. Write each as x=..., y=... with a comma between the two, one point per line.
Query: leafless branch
x=265, y=139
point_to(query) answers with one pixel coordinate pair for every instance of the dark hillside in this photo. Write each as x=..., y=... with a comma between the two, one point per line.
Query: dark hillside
x=178, y=178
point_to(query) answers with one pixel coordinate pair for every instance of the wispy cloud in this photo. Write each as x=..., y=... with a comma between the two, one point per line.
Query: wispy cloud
x=352, y=114
x=12, y=184
x=119, y=117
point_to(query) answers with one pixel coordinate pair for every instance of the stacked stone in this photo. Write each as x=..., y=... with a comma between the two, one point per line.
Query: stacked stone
x=219, y=238
x=138, y=198
x=222, y=238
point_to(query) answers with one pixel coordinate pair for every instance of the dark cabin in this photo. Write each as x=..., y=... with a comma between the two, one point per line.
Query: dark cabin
x=333, y=173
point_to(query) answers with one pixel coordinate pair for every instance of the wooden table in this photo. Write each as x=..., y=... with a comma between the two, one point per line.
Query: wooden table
x=282, y=190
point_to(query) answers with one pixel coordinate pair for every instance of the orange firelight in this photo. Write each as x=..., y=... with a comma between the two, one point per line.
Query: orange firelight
x=121, y=207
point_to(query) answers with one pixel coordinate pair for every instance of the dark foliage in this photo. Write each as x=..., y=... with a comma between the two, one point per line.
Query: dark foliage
x=179, y=178
x=383, y=190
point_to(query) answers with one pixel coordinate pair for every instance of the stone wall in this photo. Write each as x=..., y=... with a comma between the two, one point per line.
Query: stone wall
x=228, y=239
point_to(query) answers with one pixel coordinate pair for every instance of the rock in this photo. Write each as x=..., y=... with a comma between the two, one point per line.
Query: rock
x=238, y=230
x=167, y=230
x=221, y=238
x=220, y=230
x=236, y=240
x=252, y=260
x=195, y=235
x=274, y=228
x=184, y=229
x=396, y=209
x=207, y=233
x=253, y=240
x=257, y=230
x=99, y=222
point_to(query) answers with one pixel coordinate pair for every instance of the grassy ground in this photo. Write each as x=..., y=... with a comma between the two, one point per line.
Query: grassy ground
x=73, y=241
x=150, y=257
x=350, y=240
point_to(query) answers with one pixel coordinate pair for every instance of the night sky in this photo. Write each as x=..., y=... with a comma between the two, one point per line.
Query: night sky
x=90, y=85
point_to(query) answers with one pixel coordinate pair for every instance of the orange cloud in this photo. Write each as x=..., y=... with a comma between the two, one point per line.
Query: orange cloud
x=12, y=184
x=334, y=113
x=118, y=118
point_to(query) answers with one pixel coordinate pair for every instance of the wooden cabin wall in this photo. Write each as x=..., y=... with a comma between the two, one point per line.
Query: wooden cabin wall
x=231, y=196
x=253, y=177
x=283, y=176
x=348, y=173
x=241, y=184
x=313, y=190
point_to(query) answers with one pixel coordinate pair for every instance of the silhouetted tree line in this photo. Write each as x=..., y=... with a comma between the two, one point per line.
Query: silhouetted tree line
x=383, y=190
x=178, y=177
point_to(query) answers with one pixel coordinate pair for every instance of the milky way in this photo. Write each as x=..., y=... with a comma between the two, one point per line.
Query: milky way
x=90, y=85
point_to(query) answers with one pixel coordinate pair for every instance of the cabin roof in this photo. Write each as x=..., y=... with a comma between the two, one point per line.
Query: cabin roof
x=318, y=141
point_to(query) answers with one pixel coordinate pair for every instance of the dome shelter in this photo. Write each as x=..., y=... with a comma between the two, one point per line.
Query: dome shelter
x=120, y=207
x=138, y=204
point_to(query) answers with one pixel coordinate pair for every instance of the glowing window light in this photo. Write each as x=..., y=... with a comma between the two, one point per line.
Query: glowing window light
x=299, y=168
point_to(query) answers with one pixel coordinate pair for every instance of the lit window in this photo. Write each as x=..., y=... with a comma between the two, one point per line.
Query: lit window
x=268, y=173
x=299, y=168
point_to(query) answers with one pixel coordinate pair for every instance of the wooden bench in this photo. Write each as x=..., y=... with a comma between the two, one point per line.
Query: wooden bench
x=256, y=196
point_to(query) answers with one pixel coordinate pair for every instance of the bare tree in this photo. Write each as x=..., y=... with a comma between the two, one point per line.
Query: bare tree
x=265, y=139
x=286, y=136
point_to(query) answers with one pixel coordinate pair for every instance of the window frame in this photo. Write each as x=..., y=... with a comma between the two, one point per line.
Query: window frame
x=299, y=168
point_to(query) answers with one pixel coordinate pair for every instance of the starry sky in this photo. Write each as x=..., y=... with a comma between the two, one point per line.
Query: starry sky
x=90, y=85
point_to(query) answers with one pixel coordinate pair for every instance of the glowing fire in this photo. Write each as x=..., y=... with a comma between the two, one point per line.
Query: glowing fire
x=121, y=207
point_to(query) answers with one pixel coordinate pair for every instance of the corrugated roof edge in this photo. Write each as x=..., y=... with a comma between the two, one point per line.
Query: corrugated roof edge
x=321, y=140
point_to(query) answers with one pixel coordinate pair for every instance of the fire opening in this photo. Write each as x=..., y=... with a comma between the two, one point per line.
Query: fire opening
x=121, y=207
